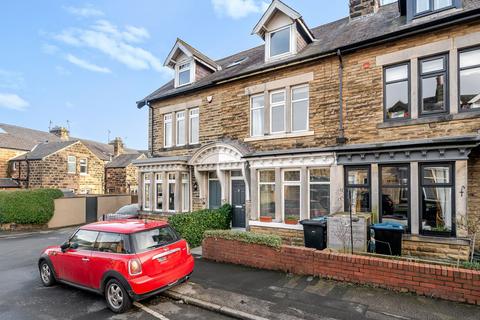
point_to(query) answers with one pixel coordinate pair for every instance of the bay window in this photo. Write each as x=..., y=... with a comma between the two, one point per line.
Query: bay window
x=319, y=192
x=291, y=194
x=194, y=116
x=185, y=192
x=167, y=130
x=158, y=191
x=437, y=211
x=171, y=192
x=396, y=98
x=277, y=111
x=433, y=85
x=299, y=108
x=180, y=125
x=257, y=114
x=469, y=69
x=394, y=193
x=357, y=189
x=266, y=186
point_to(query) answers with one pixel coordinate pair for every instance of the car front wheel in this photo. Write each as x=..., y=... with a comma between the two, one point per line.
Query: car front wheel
x=46, y=274
x=117, y=297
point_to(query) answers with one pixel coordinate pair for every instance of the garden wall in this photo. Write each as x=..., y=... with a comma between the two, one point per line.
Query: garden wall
x=443, y=282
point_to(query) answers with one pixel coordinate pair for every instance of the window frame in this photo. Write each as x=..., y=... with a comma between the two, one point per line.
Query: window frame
x=269, y=44
x=180, y=116
x=431, y=74
x=385, y=83
x=191, y=69
x=317, y=183
x=459, y=70
x=74, y=162
x=307, y=128
x=187, y=182
x=158, y=181
x=168, y=118
x=430, y=9
x=146, y=181
x=359, y=186
x=295, y=184
x=259, y=184
x=83, y=166
x=251, y=114
x=170, y=182
x=408, y=187
x=193, y=113
x=451, y=184
x=275, y=105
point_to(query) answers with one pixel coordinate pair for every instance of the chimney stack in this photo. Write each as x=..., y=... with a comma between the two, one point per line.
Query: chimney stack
x=61, y=132
x=360, y=8
x=117, y=146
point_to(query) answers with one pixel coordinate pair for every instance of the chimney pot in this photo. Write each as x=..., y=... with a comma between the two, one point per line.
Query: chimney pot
x=61, y=132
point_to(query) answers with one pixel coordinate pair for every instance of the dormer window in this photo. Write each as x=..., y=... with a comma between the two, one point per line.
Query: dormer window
x=184, y=73
x=280, y=42
x=430, y=6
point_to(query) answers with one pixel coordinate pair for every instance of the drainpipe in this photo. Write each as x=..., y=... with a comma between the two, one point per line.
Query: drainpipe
x=341, y=137
x=151, y=127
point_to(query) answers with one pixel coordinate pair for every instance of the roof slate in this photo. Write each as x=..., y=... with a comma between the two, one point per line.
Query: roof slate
x=123, y=160
x=329, y=37
x=45, y=149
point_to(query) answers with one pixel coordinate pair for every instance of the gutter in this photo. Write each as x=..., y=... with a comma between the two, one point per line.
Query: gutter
x=435, y=24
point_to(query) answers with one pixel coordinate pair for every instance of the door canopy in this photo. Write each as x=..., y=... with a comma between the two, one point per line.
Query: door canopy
x=218, y=155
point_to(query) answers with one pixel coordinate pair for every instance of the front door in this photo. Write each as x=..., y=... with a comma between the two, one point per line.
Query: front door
x=238, y=203
x=214, y=194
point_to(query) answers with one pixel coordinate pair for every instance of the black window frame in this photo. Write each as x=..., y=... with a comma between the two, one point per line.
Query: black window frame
x=408, y=186
x=421, y=75
x=385, y=83
x=459, y=70
x=451, y=184
x=357, y=186
x=431, y=10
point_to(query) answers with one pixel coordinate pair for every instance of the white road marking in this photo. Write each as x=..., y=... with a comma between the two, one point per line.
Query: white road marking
x=150, y=311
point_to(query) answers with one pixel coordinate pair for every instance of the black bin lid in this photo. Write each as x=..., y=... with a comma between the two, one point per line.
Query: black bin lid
x=317, y=221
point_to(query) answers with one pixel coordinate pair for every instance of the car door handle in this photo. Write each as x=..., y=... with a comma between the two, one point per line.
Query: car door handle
x=85, y=259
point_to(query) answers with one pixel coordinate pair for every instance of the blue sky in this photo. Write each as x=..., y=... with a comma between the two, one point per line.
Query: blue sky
x=88, y=62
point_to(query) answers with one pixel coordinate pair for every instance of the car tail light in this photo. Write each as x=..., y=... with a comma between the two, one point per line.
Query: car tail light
x=134, y=267
x=188, y=249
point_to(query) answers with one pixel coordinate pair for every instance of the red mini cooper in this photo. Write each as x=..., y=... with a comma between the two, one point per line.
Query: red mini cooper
x=124, y=260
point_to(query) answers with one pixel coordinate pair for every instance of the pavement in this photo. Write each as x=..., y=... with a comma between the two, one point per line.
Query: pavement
x=216, y=291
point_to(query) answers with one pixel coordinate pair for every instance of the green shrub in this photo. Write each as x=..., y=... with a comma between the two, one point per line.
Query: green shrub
x=471, y=265
x=192, y=225
x=249, y=237
x=28, y=206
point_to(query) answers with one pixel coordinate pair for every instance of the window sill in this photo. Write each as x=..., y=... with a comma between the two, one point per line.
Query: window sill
x=275, y=225
x=185, y=146
x=431, y=119
x=281, y=136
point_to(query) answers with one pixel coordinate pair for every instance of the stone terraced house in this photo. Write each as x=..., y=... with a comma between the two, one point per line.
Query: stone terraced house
x=37, y=159
x=378, y=112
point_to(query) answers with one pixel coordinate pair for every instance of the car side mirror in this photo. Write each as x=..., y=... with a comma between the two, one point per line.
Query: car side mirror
x=74, y=245
x=64, y=246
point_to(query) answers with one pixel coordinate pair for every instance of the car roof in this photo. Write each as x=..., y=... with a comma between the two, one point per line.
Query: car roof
x=125, y=226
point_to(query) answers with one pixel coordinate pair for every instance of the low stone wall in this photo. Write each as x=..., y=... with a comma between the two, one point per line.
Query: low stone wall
x=443, y=282
x=289, y=236
x=436, y=248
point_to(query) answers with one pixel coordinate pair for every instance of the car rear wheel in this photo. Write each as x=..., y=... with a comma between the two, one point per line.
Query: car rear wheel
x=117, y=297
x=46, y=274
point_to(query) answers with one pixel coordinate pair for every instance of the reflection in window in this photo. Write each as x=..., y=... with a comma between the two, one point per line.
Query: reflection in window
x=427, y=6
x=266, y=187
x=319, y=184
x=171, y=192
x=167, y=132
x=395, y=184
x=146, y=191
x=159, y=191
x=185, y=192
x=357, y=190
x=280, y=42
x=277, y=109
x=180, y=128
x=300, y=108
x=291, y=194
x=470, y=80
x=437, y=201
x=433, y=85
x=257, y=104
x=397, y=95
x=184, y=74
x=194, y=125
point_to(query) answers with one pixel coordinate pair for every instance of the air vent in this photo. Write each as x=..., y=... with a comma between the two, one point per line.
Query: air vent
x=237, y=62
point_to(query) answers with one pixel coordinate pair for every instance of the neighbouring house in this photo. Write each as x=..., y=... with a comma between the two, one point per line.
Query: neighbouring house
x=37, y=159
x=376, y=112
x=121, y=175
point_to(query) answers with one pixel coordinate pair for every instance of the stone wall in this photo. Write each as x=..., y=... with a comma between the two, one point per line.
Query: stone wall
x=5, y=156
x=436, y=248
x=115, y=180
x=289, y=236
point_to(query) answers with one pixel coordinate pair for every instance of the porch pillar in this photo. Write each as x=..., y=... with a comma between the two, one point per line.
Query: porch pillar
x=254, y=214
x=278, y=195
x=221, y=174
x=336, y=189
x=164, y=191
x=178, y=192
x=304, y=213
x=375, y=192
x=461, y=192
x=414, y=202
x=140, y=189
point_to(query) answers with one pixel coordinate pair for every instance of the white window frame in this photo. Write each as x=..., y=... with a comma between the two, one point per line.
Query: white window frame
x=170, y=181
x=147, y=181
x=291, y=183
x=191, y=68
x=14, y=166
x=292, y=44
x=300, y=100
x=277, y=104
x=316, y=183
x=260, y=183
x=168, y=118
x=83, y=165
x=158, y=180
x=194, y=114
x=187, y=182
x=71, y=160
x=180, y=116
x=251, y=114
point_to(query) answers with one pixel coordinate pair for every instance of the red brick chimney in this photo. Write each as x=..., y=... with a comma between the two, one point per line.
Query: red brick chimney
x=360, y=8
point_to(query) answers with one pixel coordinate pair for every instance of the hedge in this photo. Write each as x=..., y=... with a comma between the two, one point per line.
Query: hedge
x=28, y=206
x=192, y=225
x=249, y=237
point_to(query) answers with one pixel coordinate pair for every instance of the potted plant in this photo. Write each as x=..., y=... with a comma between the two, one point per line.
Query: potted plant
x=291, y=220
x=266, y=219
x=440, y=231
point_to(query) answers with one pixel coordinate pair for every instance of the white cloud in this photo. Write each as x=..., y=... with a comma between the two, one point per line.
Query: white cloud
x=12, y=101
x=86, y=65
x=119, y=45
x=238, y=9
x=49, y=48
x=11, y=80
x=85, y=12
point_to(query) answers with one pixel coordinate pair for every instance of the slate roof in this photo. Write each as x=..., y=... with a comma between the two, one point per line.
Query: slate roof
x=123, y=160
x=198, y=54
x=45, y=149
x=340, y=34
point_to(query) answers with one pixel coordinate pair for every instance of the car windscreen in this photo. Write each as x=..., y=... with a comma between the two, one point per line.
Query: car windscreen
x=150, y=239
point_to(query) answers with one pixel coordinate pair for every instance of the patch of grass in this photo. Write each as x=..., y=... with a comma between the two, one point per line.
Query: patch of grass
x=248, y=237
